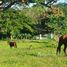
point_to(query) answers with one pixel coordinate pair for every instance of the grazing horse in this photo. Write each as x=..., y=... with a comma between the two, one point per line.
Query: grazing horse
x=62, y=41
x=12, y=44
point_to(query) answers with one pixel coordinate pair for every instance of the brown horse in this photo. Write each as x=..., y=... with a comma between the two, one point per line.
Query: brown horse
x=62, y=41
x=12, y=44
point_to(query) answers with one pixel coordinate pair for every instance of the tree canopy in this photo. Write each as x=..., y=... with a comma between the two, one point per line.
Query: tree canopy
x=33, y=21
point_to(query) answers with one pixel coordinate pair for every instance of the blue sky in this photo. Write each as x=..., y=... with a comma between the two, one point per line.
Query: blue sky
x=62, y=1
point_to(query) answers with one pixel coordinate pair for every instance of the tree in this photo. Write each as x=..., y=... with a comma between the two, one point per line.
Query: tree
x=11, y=2
x=64, y=7
x=15, y=23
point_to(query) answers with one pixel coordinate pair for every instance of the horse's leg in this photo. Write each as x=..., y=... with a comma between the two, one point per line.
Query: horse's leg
x=58, y=48
x=15, y=45
x=65, y=49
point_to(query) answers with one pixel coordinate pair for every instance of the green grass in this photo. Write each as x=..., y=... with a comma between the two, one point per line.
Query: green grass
x=41, y=54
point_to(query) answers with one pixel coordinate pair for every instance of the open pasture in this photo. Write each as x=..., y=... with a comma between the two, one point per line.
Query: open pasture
x=31, y=53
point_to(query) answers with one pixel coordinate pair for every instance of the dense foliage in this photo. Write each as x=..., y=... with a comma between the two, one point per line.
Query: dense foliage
x=30, y=21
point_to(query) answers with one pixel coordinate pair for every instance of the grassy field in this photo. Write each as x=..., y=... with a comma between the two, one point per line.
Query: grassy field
x=31, y=53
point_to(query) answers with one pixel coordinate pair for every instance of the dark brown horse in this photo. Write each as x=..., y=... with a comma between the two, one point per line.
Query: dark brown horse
x=62, y=41
x=12, y=44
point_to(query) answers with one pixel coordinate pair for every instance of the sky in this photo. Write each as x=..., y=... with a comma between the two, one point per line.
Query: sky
x=62, y=1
